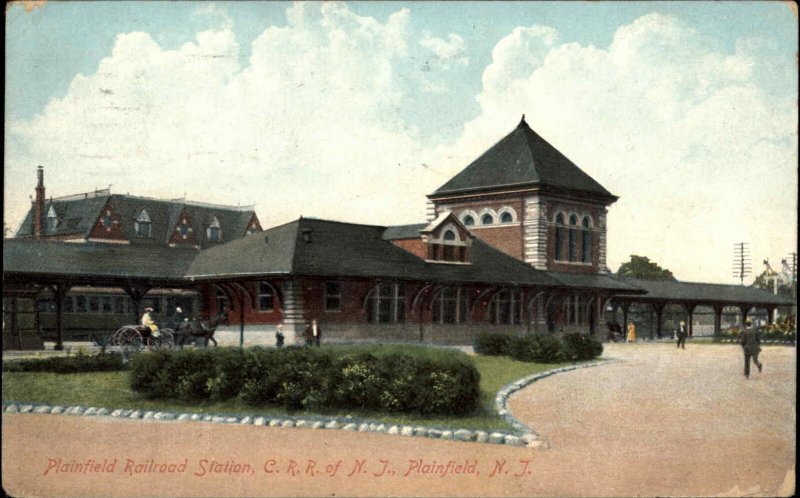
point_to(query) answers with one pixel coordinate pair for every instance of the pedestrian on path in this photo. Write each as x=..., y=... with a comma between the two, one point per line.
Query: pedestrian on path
x=313, y=333
x=279, y=336
x=682, y=335
x=751, y=345
x=631, y=332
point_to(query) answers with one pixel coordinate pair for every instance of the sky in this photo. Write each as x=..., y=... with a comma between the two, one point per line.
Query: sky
x=355, y=111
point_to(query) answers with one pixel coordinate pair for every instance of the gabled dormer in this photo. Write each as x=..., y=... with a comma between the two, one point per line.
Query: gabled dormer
x=183, y=232
x=254, y=226
x=446, y=240
x=108, y=225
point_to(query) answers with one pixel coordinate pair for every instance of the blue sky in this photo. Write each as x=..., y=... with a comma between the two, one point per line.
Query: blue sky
x=378, y=103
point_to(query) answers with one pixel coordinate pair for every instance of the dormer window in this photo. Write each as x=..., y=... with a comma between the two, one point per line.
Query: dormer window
x=450, y=247
x=52, y=220
x=143, y=225
x=449, y=235
x=253, y=228
x=214, y=232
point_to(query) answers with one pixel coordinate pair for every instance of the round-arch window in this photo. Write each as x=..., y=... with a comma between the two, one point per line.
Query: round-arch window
x=506, y=218
x=560, y=219
x=469, y=220
x=586, y=223
x=573, y=220
x=449, y=235
x=487, y=219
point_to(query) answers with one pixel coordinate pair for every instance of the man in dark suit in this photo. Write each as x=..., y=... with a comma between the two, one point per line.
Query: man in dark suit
x=682, y=335
x=751, y=344
x=313, y=333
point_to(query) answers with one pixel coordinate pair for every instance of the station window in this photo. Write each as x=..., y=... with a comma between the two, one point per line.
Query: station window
x=386, y=303
x=333, y=296
x=266, y=297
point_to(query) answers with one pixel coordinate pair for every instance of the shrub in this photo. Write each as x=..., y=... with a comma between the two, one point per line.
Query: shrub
x=80, y=362
x=492, y=344
x=387, y=378
x=537, y=348
x=578, y=347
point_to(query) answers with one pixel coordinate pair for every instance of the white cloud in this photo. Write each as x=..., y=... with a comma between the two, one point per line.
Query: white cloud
x=699, y=143
x=701, y=150
x=308, y=126
x=452, y=50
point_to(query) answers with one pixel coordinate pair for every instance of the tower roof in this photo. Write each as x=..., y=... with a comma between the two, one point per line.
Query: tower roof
x=523, y=159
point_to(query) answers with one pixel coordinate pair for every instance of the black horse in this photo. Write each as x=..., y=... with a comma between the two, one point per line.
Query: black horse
x=204, y=329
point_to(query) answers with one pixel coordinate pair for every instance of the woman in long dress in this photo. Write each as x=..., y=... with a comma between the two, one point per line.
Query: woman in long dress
x=631, y=332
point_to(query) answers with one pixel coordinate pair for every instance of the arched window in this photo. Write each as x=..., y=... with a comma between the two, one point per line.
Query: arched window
x=469, y=220
x=586, y=241
x=450, y=306
x=559, y=235
x=386, y=303
x=222, y=300
x=573, y=238
x=266, y=297
x=505, y=308
x=449, y=235
x=143, y=224
x=214, y=232
x=506, y=217
x=487, y=219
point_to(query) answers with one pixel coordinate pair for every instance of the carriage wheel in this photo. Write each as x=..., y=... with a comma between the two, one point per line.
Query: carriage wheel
x=130, y=340
x=165, y=340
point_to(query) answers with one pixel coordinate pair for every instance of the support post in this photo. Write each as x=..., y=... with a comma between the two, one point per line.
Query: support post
x=717, y=320
x=59, y=296
x=136, y=293
x=659, y=307
x=625, y=307
x=745, y=309
x=689, y=318
x=771, y=314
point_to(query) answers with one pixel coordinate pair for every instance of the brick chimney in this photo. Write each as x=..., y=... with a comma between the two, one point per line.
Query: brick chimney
x=38, y=205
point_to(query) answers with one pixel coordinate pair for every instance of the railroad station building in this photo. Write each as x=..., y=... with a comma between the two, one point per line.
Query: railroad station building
x=514, y=242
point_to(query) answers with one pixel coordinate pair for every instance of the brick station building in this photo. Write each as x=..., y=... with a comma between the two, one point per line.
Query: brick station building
x=514, y=242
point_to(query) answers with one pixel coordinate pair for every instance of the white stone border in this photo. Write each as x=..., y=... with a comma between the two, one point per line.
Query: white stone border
x=524, y=437
x=501, y=400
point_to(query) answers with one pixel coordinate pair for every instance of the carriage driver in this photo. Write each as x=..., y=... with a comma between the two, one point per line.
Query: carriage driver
x=148, y=322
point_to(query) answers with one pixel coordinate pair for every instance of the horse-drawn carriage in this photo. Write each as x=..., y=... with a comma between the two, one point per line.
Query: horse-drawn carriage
x=133, y=338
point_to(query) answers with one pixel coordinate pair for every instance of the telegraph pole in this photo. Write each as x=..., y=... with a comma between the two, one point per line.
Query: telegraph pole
x=741, y=261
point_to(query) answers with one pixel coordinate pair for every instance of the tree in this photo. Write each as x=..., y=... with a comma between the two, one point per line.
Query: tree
x=641, y=267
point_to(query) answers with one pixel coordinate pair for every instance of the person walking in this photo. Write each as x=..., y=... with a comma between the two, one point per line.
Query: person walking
x=682, y=335
x=279, y=336
x=313, y=333
x=751, y=345
x=631, y=332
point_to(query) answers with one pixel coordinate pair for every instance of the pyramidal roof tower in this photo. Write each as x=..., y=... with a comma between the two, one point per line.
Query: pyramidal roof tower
x=528, y=199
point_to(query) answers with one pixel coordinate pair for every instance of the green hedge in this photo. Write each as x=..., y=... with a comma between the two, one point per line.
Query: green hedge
x=539, y=348
x=399, y=379
x=492, y=344
x=68, y=364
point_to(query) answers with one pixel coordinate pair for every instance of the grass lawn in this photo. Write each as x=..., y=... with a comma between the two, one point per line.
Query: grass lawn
x=112, y=390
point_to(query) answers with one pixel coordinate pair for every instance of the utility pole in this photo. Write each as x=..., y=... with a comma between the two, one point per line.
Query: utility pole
x=741, y=261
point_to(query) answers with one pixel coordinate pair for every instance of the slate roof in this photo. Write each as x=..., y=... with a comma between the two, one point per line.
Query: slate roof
x=339, y=249
x=522, y=159
x=98, y=260
x=594, y=281
x=78, y=216
x=674, y=290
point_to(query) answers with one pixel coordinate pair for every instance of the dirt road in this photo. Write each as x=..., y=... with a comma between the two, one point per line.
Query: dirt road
x=660, y=422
